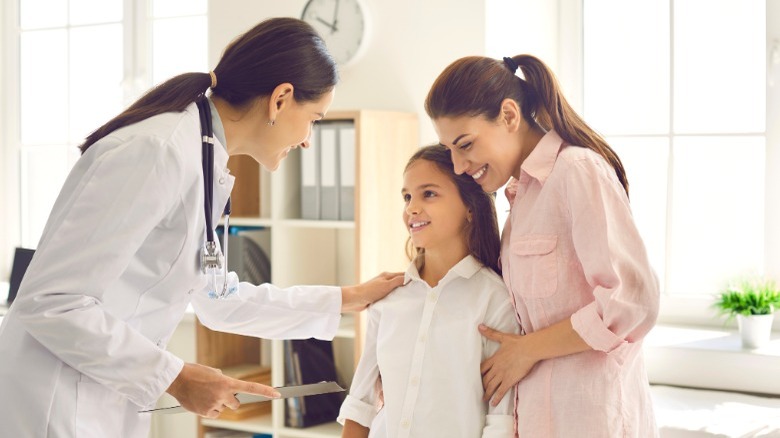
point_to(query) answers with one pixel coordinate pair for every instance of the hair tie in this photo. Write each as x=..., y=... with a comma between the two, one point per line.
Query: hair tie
x=213, y=79
x=512, y=65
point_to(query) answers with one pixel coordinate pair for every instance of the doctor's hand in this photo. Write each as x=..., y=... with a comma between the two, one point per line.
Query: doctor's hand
x=206, y=391
x=357, y=298
x=511, y=363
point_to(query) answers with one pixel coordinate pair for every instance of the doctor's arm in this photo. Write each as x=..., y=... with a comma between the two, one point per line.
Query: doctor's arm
x=296, y=312
x=357, y=298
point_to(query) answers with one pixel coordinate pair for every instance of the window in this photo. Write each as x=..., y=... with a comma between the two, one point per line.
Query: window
x=679, y=90
x=78, y=63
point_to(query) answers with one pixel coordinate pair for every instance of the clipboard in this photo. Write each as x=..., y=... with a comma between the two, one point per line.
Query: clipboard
x=285, y=391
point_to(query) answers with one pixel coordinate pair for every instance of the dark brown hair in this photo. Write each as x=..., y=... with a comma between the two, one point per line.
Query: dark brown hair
x=483, y=240
x=275, y=51
x=476, y=86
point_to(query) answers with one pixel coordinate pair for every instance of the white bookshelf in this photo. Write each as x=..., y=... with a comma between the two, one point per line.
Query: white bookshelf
x=323, y=252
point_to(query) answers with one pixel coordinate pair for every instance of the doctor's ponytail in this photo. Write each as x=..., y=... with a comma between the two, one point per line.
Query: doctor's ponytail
x=275, y=51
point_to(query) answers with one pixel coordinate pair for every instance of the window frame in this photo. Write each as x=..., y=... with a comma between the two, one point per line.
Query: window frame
x=137, y=78
x=682, y=308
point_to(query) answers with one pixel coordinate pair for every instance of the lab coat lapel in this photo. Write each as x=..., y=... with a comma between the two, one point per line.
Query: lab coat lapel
x=223, y=181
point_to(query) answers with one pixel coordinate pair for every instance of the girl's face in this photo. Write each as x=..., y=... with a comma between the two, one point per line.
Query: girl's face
x=434, y=212
x=292, y=128
x=488, y=151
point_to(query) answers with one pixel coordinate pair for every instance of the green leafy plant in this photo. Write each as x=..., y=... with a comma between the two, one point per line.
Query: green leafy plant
x=749, y=297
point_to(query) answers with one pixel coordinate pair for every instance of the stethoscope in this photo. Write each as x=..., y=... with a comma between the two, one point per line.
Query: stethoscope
x=211, y=258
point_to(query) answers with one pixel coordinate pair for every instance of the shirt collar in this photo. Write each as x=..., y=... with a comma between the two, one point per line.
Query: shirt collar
x=540, y=162
x=216, y=122
x=466, y=268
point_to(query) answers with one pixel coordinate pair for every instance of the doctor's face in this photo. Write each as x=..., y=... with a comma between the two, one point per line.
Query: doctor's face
x=292, y=128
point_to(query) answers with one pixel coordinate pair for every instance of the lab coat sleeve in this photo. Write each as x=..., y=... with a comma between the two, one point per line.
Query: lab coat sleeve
x=91, y=236
x=613, y=259
x=499, y=422
x=363, y=401
x=266, y=311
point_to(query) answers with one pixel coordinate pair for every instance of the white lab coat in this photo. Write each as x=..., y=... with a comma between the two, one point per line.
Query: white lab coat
x=82, y=348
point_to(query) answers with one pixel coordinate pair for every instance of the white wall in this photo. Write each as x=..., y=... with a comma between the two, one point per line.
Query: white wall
x=772, y=203
x=410, y=43
x=9, y=162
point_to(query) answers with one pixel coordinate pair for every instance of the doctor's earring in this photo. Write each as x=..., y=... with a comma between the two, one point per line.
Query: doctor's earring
x=271, y=122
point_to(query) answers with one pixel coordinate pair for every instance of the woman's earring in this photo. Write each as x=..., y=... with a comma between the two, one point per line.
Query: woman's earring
x=271, y=122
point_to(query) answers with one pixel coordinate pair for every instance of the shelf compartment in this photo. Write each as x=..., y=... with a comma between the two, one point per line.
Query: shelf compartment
x=332, y=429
x=259, y=424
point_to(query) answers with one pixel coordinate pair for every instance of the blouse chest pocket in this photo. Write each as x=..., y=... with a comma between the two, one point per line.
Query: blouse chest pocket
x=534, y=265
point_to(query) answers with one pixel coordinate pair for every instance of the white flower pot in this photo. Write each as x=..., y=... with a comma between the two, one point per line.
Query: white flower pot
x=755, y=329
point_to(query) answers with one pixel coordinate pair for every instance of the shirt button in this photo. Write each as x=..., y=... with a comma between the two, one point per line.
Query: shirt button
x=422, y=338
x=415, y=381
x=432, y=296
x=159, y=344
x=190, y=291
x=222, y=180
x=405, y=424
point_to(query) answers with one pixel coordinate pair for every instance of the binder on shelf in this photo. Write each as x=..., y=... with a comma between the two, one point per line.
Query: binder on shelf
x=310, y=361
x=347, y=171
x=310, y=177
x=329, y=192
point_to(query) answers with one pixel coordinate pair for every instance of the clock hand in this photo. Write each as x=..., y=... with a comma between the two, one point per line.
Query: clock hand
x=336, y=13
x=331, y=26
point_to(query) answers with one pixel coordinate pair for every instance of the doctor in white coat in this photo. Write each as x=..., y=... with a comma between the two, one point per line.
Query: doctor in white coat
x=82, y=349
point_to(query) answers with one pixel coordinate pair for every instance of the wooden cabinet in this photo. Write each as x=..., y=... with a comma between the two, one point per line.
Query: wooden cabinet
x=320, y=252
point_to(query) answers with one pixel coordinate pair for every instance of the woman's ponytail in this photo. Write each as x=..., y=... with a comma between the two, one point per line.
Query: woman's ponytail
x=476, y=86
x=551, y=110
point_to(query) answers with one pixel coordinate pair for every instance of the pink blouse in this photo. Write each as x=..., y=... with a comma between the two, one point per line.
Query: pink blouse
x=570, y=249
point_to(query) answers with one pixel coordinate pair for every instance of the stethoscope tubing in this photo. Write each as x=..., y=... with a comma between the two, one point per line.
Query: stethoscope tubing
x=210, y=257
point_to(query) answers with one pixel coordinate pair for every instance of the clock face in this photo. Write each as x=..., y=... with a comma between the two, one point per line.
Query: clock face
x=341, y=23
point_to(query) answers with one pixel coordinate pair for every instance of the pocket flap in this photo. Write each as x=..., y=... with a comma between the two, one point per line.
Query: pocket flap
x=536, y=244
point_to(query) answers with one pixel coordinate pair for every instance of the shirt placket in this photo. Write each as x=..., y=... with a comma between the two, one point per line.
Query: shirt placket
x=415, y=368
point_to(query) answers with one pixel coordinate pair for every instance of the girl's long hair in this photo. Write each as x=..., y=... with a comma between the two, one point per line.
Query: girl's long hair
x=275, y=51
x=483, y=240
x=475, y=86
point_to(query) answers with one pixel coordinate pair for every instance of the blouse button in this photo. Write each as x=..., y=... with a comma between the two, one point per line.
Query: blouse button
x=222, y=180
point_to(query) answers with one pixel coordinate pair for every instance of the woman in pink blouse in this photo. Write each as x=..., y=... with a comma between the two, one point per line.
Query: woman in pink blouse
x=572, y=258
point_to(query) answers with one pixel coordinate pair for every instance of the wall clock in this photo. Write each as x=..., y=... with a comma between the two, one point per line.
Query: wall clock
x=343, y=24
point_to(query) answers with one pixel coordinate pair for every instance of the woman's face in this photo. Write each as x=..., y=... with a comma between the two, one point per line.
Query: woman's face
x=292, y=128
x=434, y=213
x=488, y=151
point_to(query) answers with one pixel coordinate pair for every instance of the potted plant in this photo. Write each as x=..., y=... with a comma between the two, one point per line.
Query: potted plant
x=753, y=302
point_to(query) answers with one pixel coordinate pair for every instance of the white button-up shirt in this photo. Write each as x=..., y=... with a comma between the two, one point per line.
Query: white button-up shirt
x=423, y=351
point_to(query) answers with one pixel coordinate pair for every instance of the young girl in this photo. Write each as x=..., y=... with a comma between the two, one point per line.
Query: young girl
x=571, y=255
x=423, y=350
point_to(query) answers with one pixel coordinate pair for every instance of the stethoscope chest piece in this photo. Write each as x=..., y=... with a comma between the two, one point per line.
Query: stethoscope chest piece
x=210, y=258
